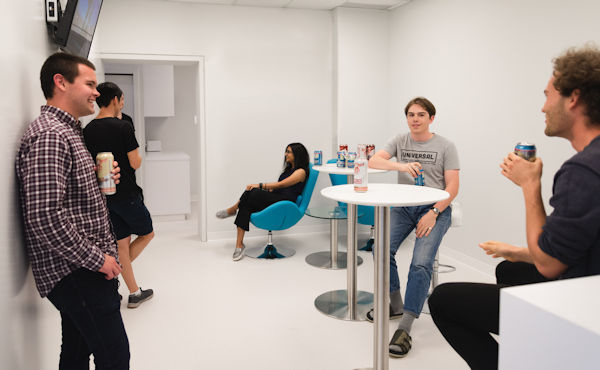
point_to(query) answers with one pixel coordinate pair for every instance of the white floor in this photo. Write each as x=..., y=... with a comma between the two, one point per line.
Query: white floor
x=212, y=313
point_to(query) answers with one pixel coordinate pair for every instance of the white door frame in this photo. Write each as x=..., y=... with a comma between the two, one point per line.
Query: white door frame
x=198, y=60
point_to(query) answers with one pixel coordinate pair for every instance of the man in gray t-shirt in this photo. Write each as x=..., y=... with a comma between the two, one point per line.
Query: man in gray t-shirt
x=436, y=156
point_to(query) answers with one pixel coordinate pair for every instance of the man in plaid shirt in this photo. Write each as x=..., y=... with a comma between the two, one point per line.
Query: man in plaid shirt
x=70, y=243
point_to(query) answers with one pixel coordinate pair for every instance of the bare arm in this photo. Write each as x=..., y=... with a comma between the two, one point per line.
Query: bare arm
x=527, y=175
x=135, y=159
x=381, y=160
x=297, y=176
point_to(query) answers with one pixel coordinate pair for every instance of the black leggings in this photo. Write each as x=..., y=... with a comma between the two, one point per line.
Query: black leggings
x=253, y=201
x=465, y=313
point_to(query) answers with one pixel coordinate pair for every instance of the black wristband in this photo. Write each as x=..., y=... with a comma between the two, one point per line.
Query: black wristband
x=260, y=185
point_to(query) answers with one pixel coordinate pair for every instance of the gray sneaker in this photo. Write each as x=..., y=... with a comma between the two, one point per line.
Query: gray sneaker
x=136, y=300
x=223, y=214
x=238, y=253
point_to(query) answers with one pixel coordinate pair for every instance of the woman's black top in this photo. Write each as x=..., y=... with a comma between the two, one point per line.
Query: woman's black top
x=291, y=193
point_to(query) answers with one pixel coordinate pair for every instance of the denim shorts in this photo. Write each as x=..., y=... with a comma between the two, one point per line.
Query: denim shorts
x=130, y=216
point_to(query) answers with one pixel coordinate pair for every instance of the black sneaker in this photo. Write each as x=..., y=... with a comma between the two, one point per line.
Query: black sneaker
x=393, y=315
x=136, y=300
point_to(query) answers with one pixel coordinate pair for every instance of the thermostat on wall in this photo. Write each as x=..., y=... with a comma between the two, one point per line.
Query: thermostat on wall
x=153, y=146
x=52, y=9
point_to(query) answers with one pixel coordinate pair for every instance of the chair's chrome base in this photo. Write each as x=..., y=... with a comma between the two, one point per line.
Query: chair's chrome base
x=335, y=304
x=269, y=251
x=323, y=260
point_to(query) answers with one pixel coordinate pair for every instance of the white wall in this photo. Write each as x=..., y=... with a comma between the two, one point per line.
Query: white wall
x=362, y=80
x=485, y=64
x=24, y=48
x=180, y=133
x=362, y=76
x=268, y=81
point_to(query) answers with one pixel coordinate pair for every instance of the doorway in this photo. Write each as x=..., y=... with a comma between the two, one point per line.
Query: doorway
x=127, y=71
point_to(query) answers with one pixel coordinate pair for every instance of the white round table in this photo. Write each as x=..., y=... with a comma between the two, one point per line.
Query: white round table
x=383, y=197
x=338, y=303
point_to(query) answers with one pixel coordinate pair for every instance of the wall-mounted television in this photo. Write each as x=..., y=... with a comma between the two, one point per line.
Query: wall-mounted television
x=76, y=26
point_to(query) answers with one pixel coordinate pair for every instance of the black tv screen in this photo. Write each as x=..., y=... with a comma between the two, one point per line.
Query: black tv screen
x=77, y=26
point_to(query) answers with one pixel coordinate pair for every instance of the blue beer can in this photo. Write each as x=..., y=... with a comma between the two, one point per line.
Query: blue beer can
x=420, y=180
x=341, y=159
x=350, y=159
x=525, y=150
x=318, y=158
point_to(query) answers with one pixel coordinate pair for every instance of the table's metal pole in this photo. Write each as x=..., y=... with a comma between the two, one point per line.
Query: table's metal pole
x=382, y=288
x=333, y=240
x=351, y=264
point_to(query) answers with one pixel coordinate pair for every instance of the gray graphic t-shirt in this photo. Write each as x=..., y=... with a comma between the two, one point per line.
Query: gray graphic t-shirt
x=436, y=155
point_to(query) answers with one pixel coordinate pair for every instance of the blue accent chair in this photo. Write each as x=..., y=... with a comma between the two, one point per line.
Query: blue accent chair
x=367, y=212
x=281, y=216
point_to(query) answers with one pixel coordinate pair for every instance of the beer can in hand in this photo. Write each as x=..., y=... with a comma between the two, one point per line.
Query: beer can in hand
x=420, y=179
x=525, y=150
x=104, y=167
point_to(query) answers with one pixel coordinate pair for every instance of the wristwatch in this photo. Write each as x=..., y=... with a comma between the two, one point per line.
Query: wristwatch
x=436, y=211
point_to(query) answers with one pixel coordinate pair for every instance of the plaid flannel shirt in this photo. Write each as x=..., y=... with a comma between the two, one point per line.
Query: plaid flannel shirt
x=65, y=216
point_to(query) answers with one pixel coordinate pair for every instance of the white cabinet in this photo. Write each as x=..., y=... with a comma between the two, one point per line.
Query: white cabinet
x=167, y=183
x=159, y=90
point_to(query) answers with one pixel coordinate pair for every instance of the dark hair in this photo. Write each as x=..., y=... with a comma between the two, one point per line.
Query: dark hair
x=301, y=158
x=423, y=103
x=108, y=91
x=64, y=64
x=579, y=69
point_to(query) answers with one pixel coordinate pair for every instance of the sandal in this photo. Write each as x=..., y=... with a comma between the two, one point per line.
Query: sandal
x=393, y=315
x=400, y=344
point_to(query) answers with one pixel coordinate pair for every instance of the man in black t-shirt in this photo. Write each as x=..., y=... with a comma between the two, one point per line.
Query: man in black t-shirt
x=562, y=245
x=128, y=214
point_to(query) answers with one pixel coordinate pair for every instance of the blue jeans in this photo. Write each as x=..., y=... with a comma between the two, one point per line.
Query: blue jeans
x=403, y=221
x=89, y=307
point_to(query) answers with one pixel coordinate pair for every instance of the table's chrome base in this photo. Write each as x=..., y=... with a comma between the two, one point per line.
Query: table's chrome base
x=335, y=304
x=323, y=260
x=269, y=252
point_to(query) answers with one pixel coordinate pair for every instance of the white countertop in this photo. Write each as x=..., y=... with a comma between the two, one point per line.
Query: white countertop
x=167, y=156
x=386, y=195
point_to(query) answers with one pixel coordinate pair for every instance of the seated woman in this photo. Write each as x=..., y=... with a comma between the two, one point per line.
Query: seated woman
x=259, y=196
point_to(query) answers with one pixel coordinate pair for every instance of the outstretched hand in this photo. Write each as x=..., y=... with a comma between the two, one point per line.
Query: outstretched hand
x=509, y=252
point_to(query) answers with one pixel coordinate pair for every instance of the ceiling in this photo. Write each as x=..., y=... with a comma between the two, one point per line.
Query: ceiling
x=306, y=4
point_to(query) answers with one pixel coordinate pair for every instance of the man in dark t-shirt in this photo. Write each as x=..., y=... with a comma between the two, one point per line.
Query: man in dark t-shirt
x=562, y=245
x=128, y=213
